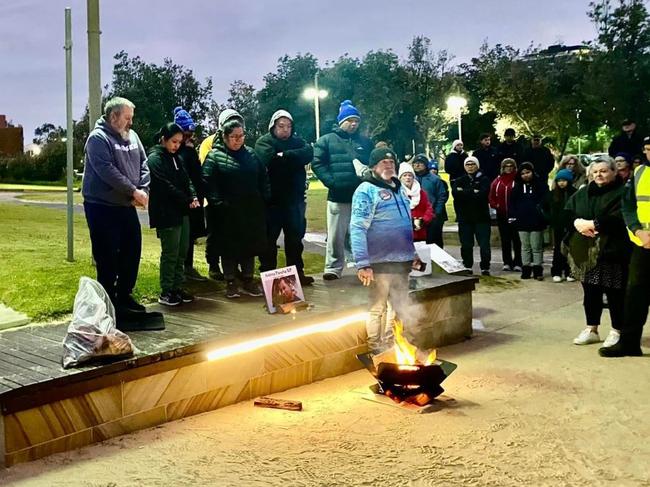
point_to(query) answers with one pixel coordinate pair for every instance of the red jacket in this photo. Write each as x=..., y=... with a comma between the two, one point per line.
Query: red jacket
x=424, y=210
x=500, y=192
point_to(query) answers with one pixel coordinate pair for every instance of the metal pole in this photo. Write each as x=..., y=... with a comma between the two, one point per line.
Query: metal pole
x=69, y=129
x=94, y=64
x=317, y=106
x=460, y=130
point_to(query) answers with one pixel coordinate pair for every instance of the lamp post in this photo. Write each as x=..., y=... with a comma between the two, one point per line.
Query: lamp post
x=456, y=104
x=315, y=94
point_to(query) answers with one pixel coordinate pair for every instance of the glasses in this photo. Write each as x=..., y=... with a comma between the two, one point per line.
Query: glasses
x=236, y=137
x=470, y=164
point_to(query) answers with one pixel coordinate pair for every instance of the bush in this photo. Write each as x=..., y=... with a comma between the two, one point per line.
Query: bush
x=49, y=165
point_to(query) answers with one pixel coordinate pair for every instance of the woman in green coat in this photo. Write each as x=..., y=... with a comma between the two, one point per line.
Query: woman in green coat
x=171, y=198
x=237, y=188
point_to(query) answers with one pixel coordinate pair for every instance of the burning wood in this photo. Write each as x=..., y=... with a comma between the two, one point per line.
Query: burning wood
x=407, y=374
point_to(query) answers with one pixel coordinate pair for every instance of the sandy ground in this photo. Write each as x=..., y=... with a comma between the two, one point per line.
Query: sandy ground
x=525, y=407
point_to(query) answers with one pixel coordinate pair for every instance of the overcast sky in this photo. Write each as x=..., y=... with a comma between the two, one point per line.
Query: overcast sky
x=244, y=39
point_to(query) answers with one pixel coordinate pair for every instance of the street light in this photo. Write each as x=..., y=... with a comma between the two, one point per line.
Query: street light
x=456, y=104
x=313, y=93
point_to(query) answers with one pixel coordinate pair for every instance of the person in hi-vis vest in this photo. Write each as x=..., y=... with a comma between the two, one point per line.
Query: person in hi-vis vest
x=636, y=212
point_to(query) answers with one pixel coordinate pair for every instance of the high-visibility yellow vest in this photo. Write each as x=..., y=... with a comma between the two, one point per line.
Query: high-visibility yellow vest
x=642, y=191
x=205, y=148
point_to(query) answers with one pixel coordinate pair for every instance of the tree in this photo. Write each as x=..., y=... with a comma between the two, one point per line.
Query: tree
x=620, y=72
x=157, y=90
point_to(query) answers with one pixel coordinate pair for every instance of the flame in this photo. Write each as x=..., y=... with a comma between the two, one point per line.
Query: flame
x=405, y=353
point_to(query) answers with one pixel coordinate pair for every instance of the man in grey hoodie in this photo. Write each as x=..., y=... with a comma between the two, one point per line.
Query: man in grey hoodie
x=116, y=180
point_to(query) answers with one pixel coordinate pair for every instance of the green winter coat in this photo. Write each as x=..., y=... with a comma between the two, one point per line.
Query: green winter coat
x=171, y=191
x=237, y=189
x=333, y=155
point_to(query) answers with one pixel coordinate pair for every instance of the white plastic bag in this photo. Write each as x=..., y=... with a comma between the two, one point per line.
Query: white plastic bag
x=92, y=331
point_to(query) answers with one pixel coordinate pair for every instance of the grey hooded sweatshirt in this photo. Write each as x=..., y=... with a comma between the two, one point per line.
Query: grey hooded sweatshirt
x=113, y=167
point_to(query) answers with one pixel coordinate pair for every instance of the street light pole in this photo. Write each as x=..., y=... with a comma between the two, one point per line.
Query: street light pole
x=94, y=63
x=69, y=127
x=460, y=127
x=456, y=104
x=317, y=105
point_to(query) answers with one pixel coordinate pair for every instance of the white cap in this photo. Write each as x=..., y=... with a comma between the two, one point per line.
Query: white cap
x=228, y=114
x=405, y=167
x=279, y=114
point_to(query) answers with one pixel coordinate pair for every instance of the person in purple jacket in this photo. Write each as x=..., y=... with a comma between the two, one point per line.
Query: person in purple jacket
x=116, y=180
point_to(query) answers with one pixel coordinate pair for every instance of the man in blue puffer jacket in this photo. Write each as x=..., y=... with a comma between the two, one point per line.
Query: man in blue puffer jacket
x=381, y=237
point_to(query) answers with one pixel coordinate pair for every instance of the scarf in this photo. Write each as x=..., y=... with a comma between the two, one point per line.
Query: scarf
x=413, y=194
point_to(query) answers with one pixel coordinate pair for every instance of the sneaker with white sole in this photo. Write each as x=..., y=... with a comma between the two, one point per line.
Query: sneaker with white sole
x=586, y=337
x=517, y=268
x=169, y=299
x=506, y=268
x=557, y=278
x=570, y=279
x=251, y=288
x=612, y=339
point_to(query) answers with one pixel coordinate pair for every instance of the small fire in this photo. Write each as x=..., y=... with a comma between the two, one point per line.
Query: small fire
x=405, y=353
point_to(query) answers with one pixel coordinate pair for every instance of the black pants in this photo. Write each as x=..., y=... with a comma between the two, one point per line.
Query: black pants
x=231, y=264
x=212, y=256
x=291, y=221
x=197, y=229
x=560, y=266
x=466, y=234
x=434, y=233
x=510, y=242
x=593, y=304
x=116, y=240
x=637, y=296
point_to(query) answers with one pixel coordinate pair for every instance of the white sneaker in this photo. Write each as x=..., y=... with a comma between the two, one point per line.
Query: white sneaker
x=612, y=339
x=517, y=268
x=586, y=337
x=570, y=279
x=557, y=278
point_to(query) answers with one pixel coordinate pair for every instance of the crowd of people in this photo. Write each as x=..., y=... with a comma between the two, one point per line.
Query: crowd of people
x=242, y=197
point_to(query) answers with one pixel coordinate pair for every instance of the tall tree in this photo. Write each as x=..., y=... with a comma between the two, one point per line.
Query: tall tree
x=156, y=90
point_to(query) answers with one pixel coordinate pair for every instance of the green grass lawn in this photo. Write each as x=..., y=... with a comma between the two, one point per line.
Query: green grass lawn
x=36, y=279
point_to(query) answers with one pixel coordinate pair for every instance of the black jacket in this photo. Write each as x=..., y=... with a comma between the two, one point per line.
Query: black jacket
x=333, y=155
x=603, y=205
x=554, y=209
x=513, y=151
x=454, y=164
x=630, y=145
x=171, y=191
x=527, y=205
x=542, y=160
x=287, y=175
x=190, y=159
x=489, y=161
x=237, y=190
x=471, y=198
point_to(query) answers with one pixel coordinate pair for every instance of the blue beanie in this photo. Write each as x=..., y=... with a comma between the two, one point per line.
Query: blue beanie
x=184, y=120
x=432, y=165
x=347, y=110
x=565, y=174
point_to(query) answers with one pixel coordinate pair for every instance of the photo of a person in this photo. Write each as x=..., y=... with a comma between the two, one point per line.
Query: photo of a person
x=284, y=291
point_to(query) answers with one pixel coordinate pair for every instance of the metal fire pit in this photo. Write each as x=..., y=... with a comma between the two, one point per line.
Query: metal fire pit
x=404, y=381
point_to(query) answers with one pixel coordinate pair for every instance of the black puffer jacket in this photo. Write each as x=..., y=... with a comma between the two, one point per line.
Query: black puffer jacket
x=287, y=175
x=527, y=205
x=171, y=191
x=471, y=198
x=192, y=165
x=237, y=190
x=333, y=155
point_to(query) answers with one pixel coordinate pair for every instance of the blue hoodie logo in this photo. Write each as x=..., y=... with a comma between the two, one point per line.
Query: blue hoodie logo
x=385, y=195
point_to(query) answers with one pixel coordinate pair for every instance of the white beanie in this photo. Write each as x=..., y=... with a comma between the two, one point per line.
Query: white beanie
x=472, y=159
x=455, y=143
x=228, y=114
x=405, y=167
x=279, y=114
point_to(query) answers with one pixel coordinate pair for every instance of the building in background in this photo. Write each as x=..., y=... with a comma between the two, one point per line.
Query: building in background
x=11, y=138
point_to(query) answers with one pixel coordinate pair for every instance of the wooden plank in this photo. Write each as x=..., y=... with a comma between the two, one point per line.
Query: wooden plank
x=270, y=402
x=23, y=369
x=14, y=348
x=42, y=347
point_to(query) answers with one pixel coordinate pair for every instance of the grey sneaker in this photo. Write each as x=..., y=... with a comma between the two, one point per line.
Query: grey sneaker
x=251, y=288
x=232, y=290
x=169, y=299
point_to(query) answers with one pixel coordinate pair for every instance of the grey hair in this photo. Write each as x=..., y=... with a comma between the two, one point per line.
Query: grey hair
x=115, y=105
x=605, y=160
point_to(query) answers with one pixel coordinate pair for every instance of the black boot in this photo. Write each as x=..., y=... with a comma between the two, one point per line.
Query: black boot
x=526, y=271
x=538, y=272
x=620, y=349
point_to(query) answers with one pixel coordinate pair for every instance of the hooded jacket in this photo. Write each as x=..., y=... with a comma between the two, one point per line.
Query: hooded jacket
x=171, y=189
x=287, y=174
x=113, y=167
x=527, y=205
x=500, y=193
x=333, y=155
x=380, y=226
x=437, y=193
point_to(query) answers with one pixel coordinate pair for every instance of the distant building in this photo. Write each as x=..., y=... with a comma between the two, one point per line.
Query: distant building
x=11, y=138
